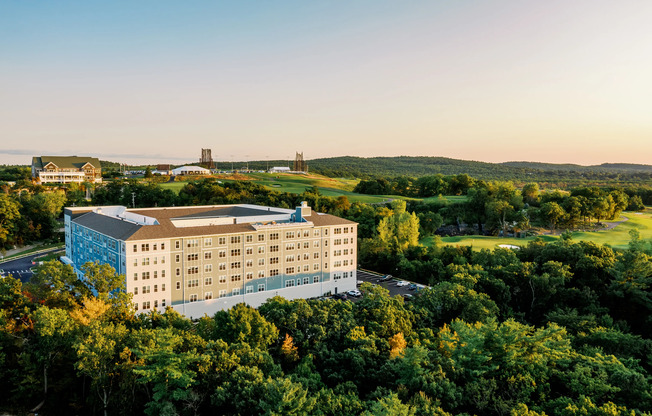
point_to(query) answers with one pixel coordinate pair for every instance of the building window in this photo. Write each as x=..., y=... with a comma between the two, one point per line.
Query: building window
x=315, y=233
x=146, y=305
x=306, y=268
x=208, y=242
x=249, y=250
x=249, y=289
x=135, y=247
x=315, y=279
x=250, y=263
x=163, y=288
x=163, y=248
x=315, y=266
x=193, y=256
x=162, y=273
x=221, y=241
x=177, y=257
x=236, y=277
x=156, y=303
x=306, y=256
x=306, y=233
x=337, y=231
x=306, y=244
x=135, y=290
x=261, y=288
x=163, y=260
x=325, y=265
x=289, y=283
x=235, y=252
x=235, y=291
x=208, y=295
x=193, y=270
x=192, y=243
x=273, y=249
x=273, y=236
x=177, y=244
x=289, y=246
x=273, y=260
x=155, y=272
x=145, y=275
x=222, y=293
x=261, y=273
x=178, y=272
x=144, y=247
x=222, y=279
x=135, y=262
x=136, y=305
x=326, y=243
x=289, y=234
x=221, y=253
x=193, y=298
x=154, y=248
x=261, y=237
x=306, y=280
x=208, y=281
x=316, y=255
x=289, y=270
x=193, y=283
x=208, y=268
x=155, y=260
x=235, y=239
x=221, y=266
x=145, y=261
x=145, y=290
x=249, y=238
x=178, y=285
x=236, y=265
x=261, y=262
x=135, y=276
x=289, y=259
x=249, y=275
x=208, y=255
x=273, y=272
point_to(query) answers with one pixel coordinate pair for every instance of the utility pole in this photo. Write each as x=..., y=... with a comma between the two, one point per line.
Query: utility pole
x=133, y=200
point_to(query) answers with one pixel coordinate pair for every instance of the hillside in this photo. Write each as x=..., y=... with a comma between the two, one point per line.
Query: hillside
x=349, y=166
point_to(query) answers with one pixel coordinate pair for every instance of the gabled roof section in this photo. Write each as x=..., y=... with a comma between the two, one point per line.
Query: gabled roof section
x=233, y=211
x=66, y=162
x=113, y=227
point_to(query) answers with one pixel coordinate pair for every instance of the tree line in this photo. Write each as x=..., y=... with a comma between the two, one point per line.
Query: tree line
x=559, y=329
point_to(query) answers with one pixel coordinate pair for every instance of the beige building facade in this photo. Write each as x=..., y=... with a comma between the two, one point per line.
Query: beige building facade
x=66, y=169
x=203, y=259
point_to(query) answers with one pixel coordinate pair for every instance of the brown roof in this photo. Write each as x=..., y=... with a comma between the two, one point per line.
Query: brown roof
x=125, y=230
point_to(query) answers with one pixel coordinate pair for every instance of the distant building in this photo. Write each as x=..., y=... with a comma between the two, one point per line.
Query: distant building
x=300, y=165
x=203, y=259
x=66, y=169
x=190, y=170
x=279, y=169
x=206, y=160
x=163, y=169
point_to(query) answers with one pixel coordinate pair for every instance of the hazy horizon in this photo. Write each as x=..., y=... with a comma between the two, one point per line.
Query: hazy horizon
x=551, y=82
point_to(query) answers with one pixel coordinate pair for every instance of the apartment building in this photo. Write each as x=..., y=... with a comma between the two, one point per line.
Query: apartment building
x=203, y=259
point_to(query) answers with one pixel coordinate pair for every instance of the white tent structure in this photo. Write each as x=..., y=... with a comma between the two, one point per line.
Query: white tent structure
x=190, y=170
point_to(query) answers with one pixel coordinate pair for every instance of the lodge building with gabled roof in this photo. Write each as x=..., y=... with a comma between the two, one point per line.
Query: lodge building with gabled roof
x=199, y=260
x=66, y=169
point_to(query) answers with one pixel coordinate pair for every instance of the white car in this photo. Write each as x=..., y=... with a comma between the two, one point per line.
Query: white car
x=402, y=283
x=354, y=293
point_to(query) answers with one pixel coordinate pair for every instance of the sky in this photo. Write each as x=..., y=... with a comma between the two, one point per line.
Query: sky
x=155, y=81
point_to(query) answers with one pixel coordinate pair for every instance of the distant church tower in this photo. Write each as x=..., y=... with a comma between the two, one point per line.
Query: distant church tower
x=206, y=159
x=300, y=165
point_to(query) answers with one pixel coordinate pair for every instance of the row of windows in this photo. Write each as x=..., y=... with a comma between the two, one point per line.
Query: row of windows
x=305, y=280
x=221, y=241
x=146, y=260
x=146, y=246
x=343, y=275
x=338, y=241
x=339, y=230
x=147, y=304
x=146, y=289
x=208, y=268
x=146, y=275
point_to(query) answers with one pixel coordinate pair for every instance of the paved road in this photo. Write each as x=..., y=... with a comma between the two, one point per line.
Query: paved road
x=21, y=268
x=363, y=276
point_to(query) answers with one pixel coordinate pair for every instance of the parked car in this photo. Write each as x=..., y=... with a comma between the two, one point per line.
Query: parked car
x=412, y=286
x=354, y=293
x=359, y=282
x=386, y=278
x=402, y=283
x=407, y=296
x=340, y=296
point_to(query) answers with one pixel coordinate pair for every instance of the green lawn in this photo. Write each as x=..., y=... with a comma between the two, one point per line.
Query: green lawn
x=297, y=184
x=617, y=237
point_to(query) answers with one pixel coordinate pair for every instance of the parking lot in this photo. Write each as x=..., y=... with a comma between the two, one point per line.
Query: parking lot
x=389, y=284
